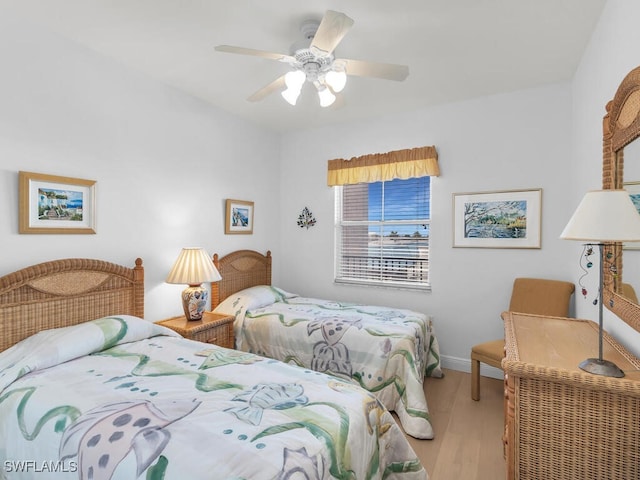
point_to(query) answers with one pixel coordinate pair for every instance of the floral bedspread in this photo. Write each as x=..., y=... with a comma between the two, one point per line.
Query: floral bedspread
x=122, y=398
x=385, y=350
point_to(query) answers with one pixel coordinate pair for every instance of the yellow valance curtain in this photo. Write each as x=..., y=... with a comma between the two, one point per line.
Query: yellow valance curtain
x=378, y=167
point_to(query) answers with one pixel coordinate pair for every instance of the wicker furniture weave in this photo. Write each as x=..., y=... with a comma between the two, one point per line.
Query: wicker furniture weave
x=213, y=328
x=66, y=292
x=561, y=422
x=239, y=270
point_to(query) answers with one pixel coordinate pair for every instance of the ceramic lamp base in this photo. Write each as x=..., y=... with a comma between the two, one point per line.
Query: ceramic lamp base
x=194, y=301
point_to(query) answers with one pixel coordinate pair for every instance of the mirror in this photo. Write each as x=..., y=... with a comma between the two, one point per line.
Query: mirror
x=630, y=286
x=621, y=169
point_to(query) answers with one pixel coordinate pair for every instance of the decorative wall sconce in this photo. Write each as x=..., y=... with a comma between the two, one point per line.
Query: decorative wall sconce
x=306, y=219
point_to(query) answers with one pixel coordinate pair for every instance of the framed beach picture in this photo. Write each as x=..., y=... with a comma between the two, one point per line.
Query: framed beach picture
x=239, y=218
x=53, y=204
x=500, y=219
x=634, y=192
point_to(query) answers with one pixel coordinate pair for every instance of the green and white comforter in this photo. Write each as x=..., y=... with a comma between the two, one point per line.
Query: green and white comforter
x=122, y=398
x=385, y=350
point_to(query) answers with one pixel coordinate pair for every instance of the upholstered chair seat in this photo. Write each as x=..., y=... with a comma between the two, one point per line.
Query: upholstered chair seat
x=529, y=295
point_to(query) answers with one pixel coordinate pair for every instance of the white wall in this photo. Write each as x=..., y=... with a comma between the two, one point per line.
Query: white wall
x=612, y=53
x=549, y=138
x=164, y=162
x=512, y=141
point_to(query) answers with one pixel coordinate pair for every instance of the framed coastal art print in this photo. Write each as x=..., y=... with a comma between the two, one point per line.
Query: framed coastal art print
x=53, y=204
x=239, y=218
x=500, y=219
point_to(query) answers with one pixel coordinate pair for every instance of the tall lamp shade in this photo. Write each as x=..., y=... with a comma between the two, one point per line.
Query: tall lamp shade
x=194, y=267
x=603, y=216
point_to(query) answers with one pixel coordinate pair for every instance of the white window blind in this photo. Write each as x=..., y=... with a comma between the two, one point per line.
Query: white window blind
x=382, y=233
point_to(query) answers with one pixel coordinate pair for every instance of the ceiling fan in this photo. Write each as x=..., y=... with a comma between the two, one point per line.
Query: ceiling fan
x=315, y=62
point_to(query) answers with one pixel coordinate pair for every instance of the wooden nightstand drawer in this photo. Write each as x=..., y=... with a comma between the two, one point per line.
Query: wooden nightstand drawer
x=213, y=328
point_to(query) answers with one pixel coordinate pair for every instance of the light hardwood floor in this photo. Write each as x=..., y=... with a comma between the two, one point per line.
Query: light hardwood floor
x=468, y=434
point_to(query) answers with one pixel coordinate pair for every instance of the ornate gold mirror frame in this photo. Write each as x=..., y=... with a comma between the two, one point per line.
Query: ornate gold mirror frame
x=621, y=126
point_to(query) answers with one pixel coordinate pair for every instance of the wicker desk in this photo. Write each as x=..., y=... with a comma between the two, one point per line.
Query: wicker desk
x=561, y=422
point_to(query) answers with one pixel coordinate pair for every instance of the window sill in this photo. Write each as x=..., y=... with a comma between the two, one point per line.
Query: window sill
x=386, y=285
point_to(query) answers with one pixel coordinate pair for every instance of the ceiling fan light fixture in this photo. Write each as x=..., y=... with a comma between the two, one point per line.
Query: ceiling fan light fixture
x=291, y=95
x=336, y=79
x=312, y=60
x=326, y=97
x=295, y=79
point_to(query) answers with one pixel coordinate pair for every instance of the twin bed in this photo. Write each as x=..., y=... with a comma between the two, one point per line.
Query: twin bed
x=89, y=390
x=387, y=351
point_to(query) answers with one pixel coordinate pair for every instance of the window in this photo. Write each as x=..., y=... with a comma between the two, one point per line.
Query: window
x=382, y=233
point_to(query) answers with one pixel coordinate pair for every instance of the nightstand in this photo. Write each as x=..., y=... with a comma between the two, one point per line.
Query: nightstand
x=214, y=328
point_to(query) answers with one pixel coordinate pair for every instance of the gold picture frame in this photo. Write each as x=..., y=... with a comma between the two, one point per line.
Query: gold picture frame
x=239, y=218
x=52, y=204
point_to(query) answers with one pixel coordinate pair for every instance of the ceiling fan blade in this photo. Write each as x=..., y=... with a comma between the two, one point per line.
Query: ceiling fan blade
x=333, y=27
x=387, y=71
x=277, y=84
x=256, y=53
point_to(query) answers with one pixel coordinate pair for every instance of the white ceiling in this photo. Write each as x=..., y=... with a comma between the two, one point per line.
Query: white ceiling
x=455, y=49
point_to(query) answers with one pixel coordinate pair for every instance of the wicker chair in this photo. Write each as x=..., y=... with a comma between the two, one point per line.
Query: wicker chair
x=529, y=295
x=629, y=292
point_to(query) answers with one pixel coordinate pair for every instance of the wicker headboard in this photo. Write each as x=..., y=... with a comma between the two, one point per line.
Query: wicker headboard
x=66, y=292
x=240, y=269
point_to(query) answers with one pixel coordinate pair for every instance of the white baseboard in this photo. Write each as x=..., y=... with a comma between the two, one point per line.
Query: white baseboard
x=464, y=365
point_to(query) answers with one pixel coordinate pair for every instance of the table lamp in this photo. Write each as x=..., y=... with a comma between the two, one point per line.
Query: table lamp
x=193, y=267
x=603, y=217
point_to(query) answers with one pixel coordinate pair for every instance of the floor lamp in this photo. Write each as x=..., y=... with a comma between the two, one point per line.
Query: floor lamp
x=603, y=217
